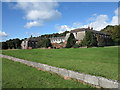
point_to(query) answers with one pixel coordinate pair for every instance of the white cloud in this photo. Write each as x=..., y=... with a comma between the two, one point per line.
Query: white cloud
x=63, y=28
x=116, y=11
x=98, y=22
x=115, y=18
x=3, y=34
x=34, y=23
x=38, y=13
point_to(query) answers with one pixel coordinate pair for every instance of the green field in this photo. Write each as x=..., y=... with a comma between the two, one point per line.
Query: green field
x=16, y=75
x=96, y=61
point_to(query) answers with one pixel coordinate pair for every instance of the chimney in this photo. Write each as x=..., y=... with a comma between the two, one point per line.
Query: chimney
x=31, y=36
x=91, y=28
x=88, y=28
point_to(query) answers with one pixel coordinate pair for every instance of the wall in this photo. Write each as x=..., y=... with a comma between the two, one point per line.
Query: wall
x=94, y=80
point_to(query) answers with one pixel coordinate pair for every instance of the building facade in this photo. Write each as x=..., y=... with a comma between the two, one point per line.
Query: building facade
x=58, y=42
x=29, y=43
x=79, y=35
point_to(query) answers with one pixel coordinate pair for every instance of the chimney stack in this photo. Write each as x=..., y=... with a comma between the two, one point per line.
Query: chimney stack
x=88, y=28
x=91, y=28
x=31, y=36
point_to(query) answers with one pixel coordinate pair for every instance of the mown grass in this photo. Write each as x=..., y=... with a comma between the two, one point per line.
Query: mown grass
x=96, y=61
x=16, y=75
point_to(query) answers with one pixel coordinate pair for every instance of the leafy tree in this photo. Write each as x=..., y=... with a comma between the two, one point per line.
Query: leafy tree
x=54, y=35
x=4, y=45
x=17, y=43
x=10, y=44
x=39, y=43
x=46, y=43
x=71, y=41
x=89, y=40
x=114, y=31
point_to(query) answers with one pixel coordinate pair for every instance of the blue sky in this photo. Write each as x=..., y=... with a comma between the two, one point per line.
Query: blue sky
x=20, y=20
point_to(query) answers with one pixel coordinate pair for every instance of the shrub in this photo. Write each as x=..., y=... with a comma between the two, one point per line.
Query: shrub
x=76, y=46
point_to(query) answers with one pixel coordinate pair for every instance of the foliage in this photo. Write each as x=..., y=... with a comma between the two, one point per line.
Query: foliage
x=55, y=35
x=114, y=31
x=39, y=43
x=10, y=44
x=17, y=43
x=46, y=43
x=76, y=46
x=14, y=43
x=71, y=41
x=4, y=45
x=95, y=61
x=89, y=40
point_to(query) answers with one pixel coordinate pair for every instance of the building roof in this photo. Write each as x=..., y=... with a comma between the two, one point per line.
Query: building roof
x=78, y=30
x=86, y=29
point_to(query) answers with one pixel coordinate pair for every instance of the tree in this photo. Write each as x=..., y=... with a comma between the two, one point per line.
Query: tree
x=46, y=43
x=39, y=43
x=10, y=44
x=116, y=34
x=114, y=31
x=4, y=45
x=17, y=43
x=71, y=41
x=89, y=40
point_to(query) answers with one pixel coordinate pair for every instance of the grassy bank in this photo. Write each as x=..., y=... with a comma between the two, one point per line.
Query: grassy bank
x=96, y=61
x=16, y=75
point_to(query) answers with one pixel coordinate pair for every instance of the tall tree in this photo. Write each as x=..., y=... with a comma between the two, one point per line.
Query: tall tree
x=4, y=45
x=71, y=41
x=89, y=40
x=47, y=43
x=10, y=44
x=39, y=43
x=17, y=43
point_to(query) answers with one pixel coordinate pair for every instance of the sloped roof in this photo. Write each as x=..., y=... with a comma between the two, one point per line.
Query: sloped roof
x=86, y=29
x=78, y=30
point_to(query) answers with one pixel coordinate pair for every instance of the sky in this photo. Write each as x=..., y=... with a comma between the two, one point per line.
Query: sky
x=23, y=19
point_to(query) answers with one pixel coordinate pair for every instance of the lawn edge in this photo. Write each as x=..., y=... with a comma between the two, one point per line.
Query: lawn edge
x=96, y=81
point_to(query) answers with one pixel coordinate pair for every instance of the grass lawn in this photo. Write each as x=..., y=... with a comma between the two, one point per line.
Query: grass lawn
x=96, y=61
x=16, y=75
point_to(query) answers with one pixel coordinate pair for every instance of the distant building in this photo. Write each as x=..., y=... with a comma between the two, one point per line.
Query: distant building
x=58, y=42
x=57, y=39
x=29, y=43
x=79, y=34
